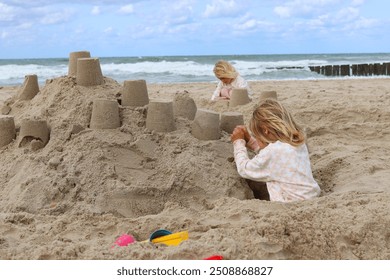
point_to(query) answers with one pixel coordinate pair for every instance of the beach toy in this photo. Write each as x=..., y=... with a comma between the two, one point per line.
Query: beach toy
x=124, y=240
x=229, y=120
x=160, y=116
x=30, y=88
x=173, y=239
x=239, y=97
x=7, y=130
x=159, y=233
x=105, y=114
x=89, y=72
x=206, y=125
x=269, y=94
x=73, y=57
x=135, y=93
x=214, y=257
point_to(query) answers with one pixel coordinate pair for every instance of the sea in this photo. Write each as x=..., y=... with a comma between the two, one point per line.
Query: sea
x=187, y=69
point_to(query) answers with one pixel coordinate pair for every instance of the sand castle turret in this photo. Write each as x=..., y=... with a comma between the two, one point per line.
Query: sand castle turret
x=268, y=94
x=160, y=116
x=89, y=72
x=7, y=130
x=184, y=106
x=229, y=120
x=135, y=93
x=30, y=88
x=34, y=130
x=239, y=97
x=73, y=57
x=206, y=125
x=105, y=114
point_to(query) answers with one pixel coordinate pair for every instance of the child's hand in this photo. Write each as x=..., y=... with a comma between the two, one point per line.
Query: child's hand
x=238, y=133
x=247, y=136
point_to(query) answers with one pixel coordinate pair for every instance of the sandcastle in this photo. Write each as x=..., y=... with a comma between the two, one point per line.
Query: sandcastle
x=206, y=125
x=105, y=114
x=30, y=88
x=135, y=93
x=7, y=130
x=268, y=94
x=73, y=57
x=160, y=116
x=89, y=72
x=184, y=106
x=35, y=131
x=239, y=97
x=229, y=120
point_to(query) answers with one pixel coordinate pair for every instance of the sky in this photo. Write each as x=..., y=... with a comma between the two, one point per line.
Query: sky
x=110, y=28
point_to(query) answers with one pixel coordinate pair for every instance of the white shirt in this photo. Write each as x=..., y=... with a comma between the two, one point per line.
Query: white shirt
x=238, y=82
x=285, y=169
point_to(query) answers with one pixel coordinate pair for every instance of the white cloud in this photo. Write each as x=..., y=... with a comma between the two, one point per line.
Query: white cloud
x=57, y=17
x=221, y=8
x=128, y=9
x=95, y=10
x=7, y=13
x=304, y=8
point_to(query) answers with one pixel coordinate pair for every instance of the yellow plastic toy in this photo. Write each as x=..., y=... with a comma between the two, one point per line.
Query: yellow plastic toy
x=173, y=239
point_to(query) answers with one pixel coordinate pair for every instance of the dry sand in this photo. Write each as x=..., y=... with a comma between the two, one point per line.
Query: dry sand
x=74, y=197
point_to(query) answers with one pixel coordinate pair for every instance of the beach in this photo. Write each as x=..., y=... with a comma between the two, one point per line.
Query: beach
x=86, y=187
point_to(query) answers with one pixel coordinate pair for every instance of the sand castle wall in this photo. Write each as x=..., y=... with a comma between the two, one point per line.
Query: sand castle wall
x=105, y=114
x=239, y=97
x=160, y=116
x=7, y=130
x=135, y=93
x=30, y=88
x=229, y=120
x=89, y=72
x=73, y=57
x=206, y=125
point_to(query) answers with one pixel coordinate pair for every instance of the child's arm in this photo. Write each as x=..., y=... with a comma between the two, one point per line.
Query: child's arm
x=253, y=145
x=217, y=91
x=256, y=169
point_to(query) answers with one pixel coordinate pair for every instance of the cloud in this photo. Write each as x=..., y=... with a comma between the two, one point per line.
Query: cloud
x=220, y=8
x=128, y=9
x=56, y=17
x=304, y=8
x=95, y=10
x=7, y=13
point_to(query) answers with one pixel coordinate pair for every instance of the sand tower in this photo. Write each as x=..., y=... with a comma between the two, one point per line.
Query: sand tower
x=229, y=120
x=184, y=106
x=30, y=88
x=7, y=130
x=135, y=93
x=89, y=72
x=239, y=97
x=268, y=94
x=206, y=125
x=73, y=56
x=105, y=114
x=160, y=116
x=34, y=131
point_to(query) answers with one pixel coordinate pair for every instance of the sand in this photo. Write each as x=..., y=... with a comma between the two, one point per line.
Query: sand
x=74, y=197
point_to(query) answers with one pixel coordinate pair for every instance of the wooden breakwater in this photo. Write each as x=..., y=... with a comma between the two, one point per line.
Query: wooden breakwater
x=374, y=69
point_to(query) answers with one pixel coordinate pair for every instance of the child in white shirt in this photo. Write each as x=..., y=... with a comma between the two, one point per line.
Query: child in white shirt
x=229, y=79
x=282, y=160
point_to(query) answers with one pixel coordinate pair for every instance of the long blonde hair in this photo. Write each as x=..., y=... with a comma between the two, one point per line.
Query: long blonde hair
x=270, y=116
x=224, y=69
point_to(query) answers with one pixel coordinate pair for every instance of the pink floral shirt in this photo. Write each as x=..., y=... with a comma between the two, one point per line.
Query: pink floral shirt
x=285, y=169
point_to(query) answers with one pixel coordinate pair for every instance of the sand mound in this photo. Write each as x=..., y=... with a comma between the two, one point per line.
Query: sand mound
x=71, y=198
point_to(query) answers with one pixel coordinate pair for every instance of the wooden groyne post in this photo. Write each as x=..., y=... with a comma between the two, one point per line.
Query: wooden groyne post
x=373, y=69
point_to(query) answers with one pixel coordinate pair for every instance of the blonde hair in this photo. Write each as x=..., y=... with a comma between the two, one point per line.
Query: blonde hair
x=271, y=116
x=224, y=69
